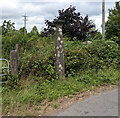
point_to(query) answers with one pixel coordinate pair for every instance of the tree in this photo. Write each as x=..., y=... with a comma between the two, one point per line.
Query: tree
x=74, y=24
x=113, y=23
x=22, y=30
x=35, y=30
x=33, y=33
x=7, y=27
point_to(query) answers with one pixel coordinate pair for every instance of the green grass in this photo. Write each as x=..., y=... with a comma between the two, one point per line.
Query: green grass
x=33, y=93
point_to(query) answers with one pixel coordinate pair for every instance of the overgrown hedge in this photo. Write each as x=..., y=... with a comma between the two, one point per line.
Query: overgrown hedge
x=36, y=56
x=91, y=56
x=39, y=60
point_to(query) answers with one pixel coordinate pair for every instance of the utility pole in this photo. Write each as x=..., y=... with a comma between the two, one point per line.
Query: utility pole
x=25, y=19
x=103, y=18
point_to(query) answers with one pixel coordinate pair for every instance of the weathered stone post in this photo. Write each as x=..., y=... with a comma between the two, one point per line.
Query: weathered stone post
x=59, y=51
x=14, y=61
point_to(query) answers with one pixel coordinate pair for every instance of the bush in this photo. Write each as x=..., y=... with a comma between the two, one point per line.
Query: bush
x=116, y=39
x=95, y=55
x=36, y=56
x=16, y=37
x=8, y=43
x=39, y=60
x=11, y=82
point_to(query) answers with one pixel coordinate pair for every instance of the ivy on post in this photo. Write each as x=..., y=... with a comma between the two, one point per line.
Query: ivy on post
x=59, y=51
x=14, y=61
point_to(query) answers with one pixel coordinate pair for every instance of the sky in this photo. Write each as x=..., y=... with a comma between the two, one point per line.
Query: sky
x=38, y=11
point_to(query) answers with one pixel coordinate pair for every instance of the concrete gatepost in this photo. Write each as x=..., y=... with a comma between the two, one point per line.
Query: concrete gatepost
x=14, y=61
x=59, y=51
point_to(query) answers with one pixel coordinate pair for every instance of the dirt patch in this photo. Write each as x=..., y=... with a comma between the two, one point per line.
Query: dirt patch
x=54, y=107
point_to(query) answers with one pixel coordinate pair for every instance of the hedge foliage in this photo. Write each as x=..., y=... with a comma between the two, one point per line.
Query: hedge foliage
x=39, y=60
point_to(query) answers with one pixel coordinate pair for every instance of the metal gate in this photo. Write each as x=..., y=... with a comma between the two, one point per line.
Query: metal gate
x=4, y=70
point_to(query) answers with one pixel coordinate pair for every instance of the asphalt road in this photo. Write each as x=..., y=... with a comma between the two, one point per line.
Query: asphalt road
x=103, y=104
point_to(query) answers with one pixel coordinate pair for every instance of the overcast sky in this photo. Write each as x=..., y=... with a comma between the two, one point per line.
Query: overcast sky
x=40, y=10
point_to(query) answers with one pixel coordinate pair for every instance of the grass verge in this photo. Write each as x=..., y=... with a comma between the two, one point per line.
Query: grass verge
x=31, y=93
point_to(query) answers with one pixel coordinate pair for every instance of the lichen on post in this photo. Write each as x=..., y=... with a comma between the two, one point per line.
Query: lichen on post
x=59, y=51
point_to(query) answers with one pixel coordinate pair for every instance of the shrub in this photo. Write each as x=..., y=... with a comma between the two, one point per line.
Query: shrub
x=95, y=55
x=78, y=57
x=36, y=56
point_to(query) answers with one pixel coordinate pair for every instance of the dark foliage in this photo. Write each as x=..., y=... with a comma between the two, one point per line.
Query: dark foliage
x=7, y=27
x=74, y=24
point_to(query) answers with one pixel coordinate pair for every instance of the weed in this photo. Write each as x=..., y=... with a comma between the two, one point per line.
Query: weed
x=55, y=105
